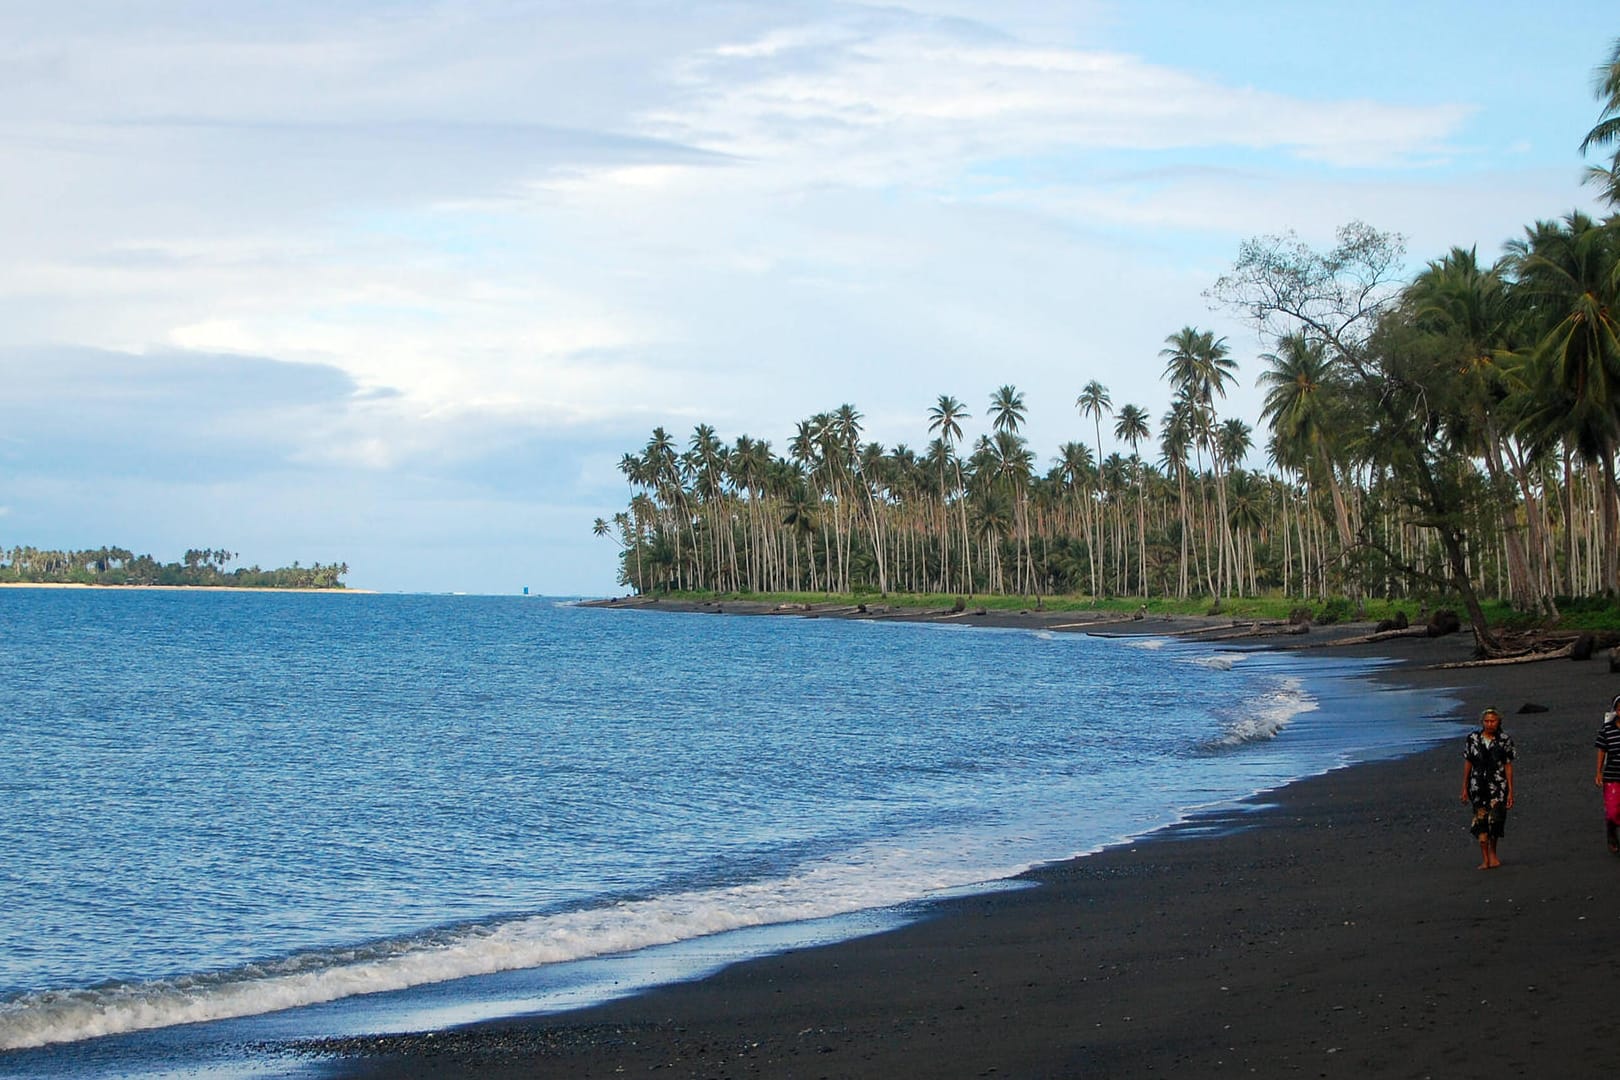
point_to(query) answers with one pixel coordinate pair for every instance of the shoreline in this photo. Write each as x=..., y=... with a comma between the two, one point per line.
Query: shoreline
x=172, y=588
x=1068, y=621
x=1337, y=927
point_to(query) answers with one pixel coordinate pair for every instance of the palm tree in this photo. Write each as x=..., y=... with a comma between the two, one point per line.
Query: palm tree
x=1199, y=363
x=834, y=451
x=1113, y=477
x=1606, y=132
x=748, y=464
x=1175, y=441
x=1132, y=428
x=903, y=482
x=1571, y=273
x=1470, y=310
x=1013, y=465
x=1007, y=409
x=1301, y=387
x=936, y=463
x=945, y=419
x=661, y=465
x=643, y=520
x=1077, y=472
x=1246, y=517
x=707, y=465
x=846, y=426
x=1234, y=440
x=994, y=525
x=1093, y=402
x=1199, y=366
x=1298, y=386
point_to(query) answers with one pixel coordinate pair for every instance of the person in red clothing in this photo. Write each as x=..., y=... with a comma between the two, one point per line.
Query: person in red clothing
x=1608, y=772
x=1488, y=784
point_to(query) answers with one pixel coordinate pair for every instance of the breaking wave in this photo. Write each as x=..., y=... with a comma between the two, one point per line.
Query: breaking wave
x=865, y=879
x=1264, y=717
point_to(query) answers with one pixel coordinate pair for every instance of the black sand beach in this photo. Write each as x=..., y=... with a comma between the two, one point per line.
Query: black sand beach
x=1341, y=931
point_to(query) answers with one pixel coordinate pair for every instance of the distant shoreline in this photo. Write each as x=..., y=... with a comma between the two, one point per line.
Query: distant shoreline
x=1096, y=622
x=174, y=588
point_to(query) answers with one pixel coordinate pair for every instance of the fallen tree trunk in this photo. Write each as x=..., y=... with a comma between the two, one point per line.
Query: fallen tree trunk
x=1421, y=631
x=1517, y=658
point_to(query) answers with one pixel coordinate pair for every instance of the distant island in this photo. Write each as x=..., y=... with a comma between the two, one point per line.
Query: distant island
x=205, y=568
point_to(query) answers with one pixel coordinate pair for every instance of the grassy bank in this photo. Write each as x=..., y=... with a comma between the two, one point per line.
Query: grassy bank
x=1279, y=608
x=1598, y=613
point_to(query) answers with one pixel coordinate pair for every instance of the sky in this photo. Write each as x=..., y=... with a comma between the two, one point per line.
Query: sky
x=397, y=284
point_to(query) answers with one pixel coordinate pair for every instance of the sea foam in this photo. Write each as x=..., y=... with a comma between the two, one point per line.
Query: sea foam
x=865, y=879
x=1266, y=716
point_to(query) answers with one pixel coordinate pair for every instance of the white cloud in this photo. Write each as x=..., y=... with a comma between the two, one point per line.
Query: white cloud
x=909, y=105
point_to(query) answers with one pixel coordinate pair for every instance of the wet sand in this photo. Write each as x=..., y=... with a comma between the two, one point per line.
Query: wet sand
x=1342, y=930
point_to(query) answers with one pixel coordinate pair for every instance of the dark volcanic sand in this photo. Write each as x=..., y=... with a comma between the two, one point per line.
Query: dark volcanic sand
x=1342, y=932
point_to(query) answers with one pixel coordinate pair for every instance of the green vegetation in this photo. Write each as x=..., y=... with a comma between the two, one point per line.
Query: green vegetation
x=119, y=566
x=1443, y=439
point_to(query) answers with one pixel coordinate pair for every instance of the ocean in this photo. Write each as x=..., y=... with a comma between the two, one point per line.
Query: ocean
x=240, y=818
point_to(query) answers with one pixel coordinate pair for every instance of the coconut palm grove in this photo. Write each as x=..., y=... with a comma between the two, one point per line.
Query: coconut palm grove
x=1450, y=434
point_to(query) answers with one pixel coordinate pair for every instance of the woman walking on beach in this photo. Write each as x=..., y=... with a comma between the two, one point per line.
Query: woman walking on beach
x=1608, y=772
x=1488, y=783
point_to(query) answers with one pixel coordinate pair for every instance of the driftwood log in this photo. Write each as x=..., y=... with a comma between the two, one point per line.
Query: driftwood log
x=1517, y=658
x=1372, y=638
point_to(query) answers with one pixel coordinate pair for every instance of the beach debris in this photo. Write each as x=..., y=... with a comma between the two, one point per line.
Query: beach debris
x=1526, y=656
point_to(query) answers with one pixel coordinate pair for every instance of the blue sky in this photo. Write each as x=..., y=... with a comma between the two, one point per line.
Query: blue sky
x=397, y=284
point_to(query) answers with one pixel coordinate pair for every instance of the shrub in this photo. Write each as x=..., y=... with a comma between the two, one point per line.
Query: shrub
x=1336, y=610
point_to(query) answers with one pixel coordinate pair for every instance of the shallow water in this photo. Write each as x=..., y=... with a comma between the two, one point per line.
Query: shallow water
x=228, y=804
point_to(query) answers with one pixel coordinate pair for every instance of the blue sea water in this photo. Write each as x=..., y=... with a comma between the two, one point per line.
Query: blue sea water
x=243, y=816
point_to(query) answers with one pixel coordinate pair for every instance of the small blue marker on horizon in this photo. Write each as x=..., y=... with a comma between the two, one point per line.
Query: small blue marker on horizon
x=525, y=590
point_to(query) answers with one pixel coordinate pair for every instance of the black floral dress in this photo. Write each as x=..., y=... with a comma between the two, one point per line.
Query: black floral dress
x=1487, y=780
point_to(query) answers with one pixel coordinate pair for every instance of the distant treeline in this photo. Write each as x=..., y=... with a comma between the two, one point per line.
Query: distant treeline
x=119, y=566
x=1453, y=436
